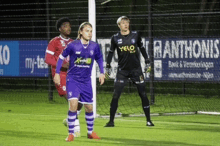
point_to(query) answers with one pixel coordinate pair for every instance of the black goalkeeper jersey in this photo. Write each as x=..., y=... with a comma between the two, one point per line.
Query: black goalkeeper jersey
x=127, y=49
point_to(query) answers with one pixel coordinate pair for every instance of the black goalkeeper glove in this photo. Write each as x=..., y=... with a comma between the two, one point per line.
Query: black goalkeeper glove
x=147, y=61
x=108, y=71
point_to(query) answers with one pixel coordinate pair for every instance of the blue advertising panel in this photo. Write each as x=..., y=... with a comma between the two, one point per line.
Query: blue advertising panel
x=195, y=59
x=32, y=55
x=9, y=58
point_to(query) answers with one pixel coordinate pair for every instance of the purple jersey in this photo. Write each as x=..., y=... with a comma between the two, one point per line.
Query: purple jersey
x=81, y=60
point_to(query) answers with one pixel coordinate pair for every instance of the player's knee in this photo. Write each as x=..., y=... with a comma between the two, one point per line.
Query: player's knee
x=116, y=96
x=145, y=101
x=142, y=94
x=73, y=104
x=88, y=108
x=73, y=109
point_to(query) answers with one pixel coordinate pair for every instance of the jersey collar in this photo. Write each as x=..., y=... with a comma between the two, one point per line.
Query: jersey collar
x=64, y=38
x=85, y=44
x=124, y=35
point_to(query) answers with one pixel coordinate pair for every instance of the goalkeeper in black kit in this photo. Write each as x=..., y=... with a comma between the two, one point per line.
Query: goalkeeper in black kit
x=129, y=67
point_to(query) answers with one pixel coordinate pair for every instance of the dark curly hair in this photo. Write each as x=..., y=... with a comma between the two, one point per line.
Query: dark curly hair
x=61, y=21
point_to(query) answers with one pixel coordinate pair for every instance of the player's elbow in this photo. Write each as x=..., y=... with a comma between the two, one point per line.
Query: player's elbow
x=48, y=60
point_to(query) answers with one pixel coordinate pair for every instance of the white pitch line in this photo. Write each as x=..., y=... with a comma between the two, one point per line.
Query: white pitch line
x=176, y=123
x=161, y=122
x=9, y=113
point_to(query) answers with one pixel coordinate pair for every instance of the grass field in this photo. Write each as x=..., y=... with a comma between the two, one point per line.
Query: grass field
x=163, y=103
x=35, y=122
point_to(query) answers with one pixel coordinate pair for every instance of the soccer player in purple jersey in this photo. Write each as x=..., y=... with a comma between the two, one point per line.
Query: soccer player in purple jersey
x=82, y=54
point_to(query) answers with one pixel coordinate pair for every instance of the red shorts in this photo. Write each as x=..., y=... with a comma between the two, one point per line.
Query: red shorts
x=61, y=89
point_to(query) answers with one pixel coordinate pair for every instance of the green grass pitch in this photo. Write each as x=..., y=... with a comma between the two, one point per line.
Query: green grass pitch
x=37, y=123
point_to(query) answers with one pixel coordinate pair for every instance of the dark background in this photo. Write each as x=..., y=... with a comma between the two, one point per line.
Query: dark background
x=171, y=18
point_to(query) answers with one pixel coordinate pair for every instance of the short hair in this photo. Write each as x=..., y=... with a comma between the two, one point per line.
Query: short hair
x=122, y=18
x=61, y=21
x=81, y=28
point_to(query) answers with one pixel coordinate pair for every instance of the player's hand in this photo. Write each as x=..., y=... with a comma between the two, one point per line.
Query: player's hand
x=66, y=65
x=56, y=79
x=101, y=79
x=108, y=71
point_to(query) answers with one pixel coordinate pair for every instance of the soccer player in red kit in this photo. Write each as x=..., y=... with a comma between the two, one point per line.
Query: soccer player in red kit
x=54, y=49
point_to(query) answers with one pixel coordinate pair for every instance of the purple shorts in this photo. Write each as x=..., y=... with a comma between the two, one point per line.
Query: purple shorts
x=80, y=91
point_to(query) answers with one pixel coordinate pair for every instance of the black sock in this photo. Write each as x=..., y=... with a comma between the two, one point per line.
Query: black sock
x=144, y=100
x=147, y=112
x=113, y=109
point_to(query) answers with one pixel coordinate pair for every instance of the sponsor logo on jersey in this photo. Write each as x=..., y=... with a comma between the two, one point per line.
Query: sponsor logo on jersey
x=62, y=43
x=83, y=61
x=78, y=52
x=119, y=41
x=130, y=48
x=91, y=52
x=133, y=41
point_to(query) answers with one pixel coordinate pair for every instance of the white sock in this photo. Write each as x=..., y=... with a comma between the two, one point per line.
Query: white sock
x=89, y=132
x=78, y=112
x=77, y=126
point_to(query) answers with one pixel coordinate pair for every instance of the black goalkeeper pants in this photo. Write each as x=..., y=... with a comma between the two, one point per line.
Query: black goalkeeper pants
x=121, y=80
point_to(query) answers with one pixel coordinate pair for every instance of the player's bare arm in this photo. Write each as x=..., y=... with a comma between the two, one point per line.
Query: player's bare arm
x=101, y=79
x=56, y=79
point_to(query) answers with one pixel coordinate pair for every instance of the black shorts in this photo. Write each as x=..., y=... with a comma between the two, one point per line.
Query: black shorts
x=136, y=76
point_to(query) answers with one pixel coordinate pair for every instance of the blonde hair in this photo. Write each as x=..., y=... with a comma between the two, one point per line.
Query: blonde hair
x=122, y=18
x=81, y=28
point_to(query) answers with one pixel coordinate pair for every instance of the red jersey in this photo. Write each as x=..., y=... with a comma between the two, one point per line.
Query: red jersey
x=54, y=49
